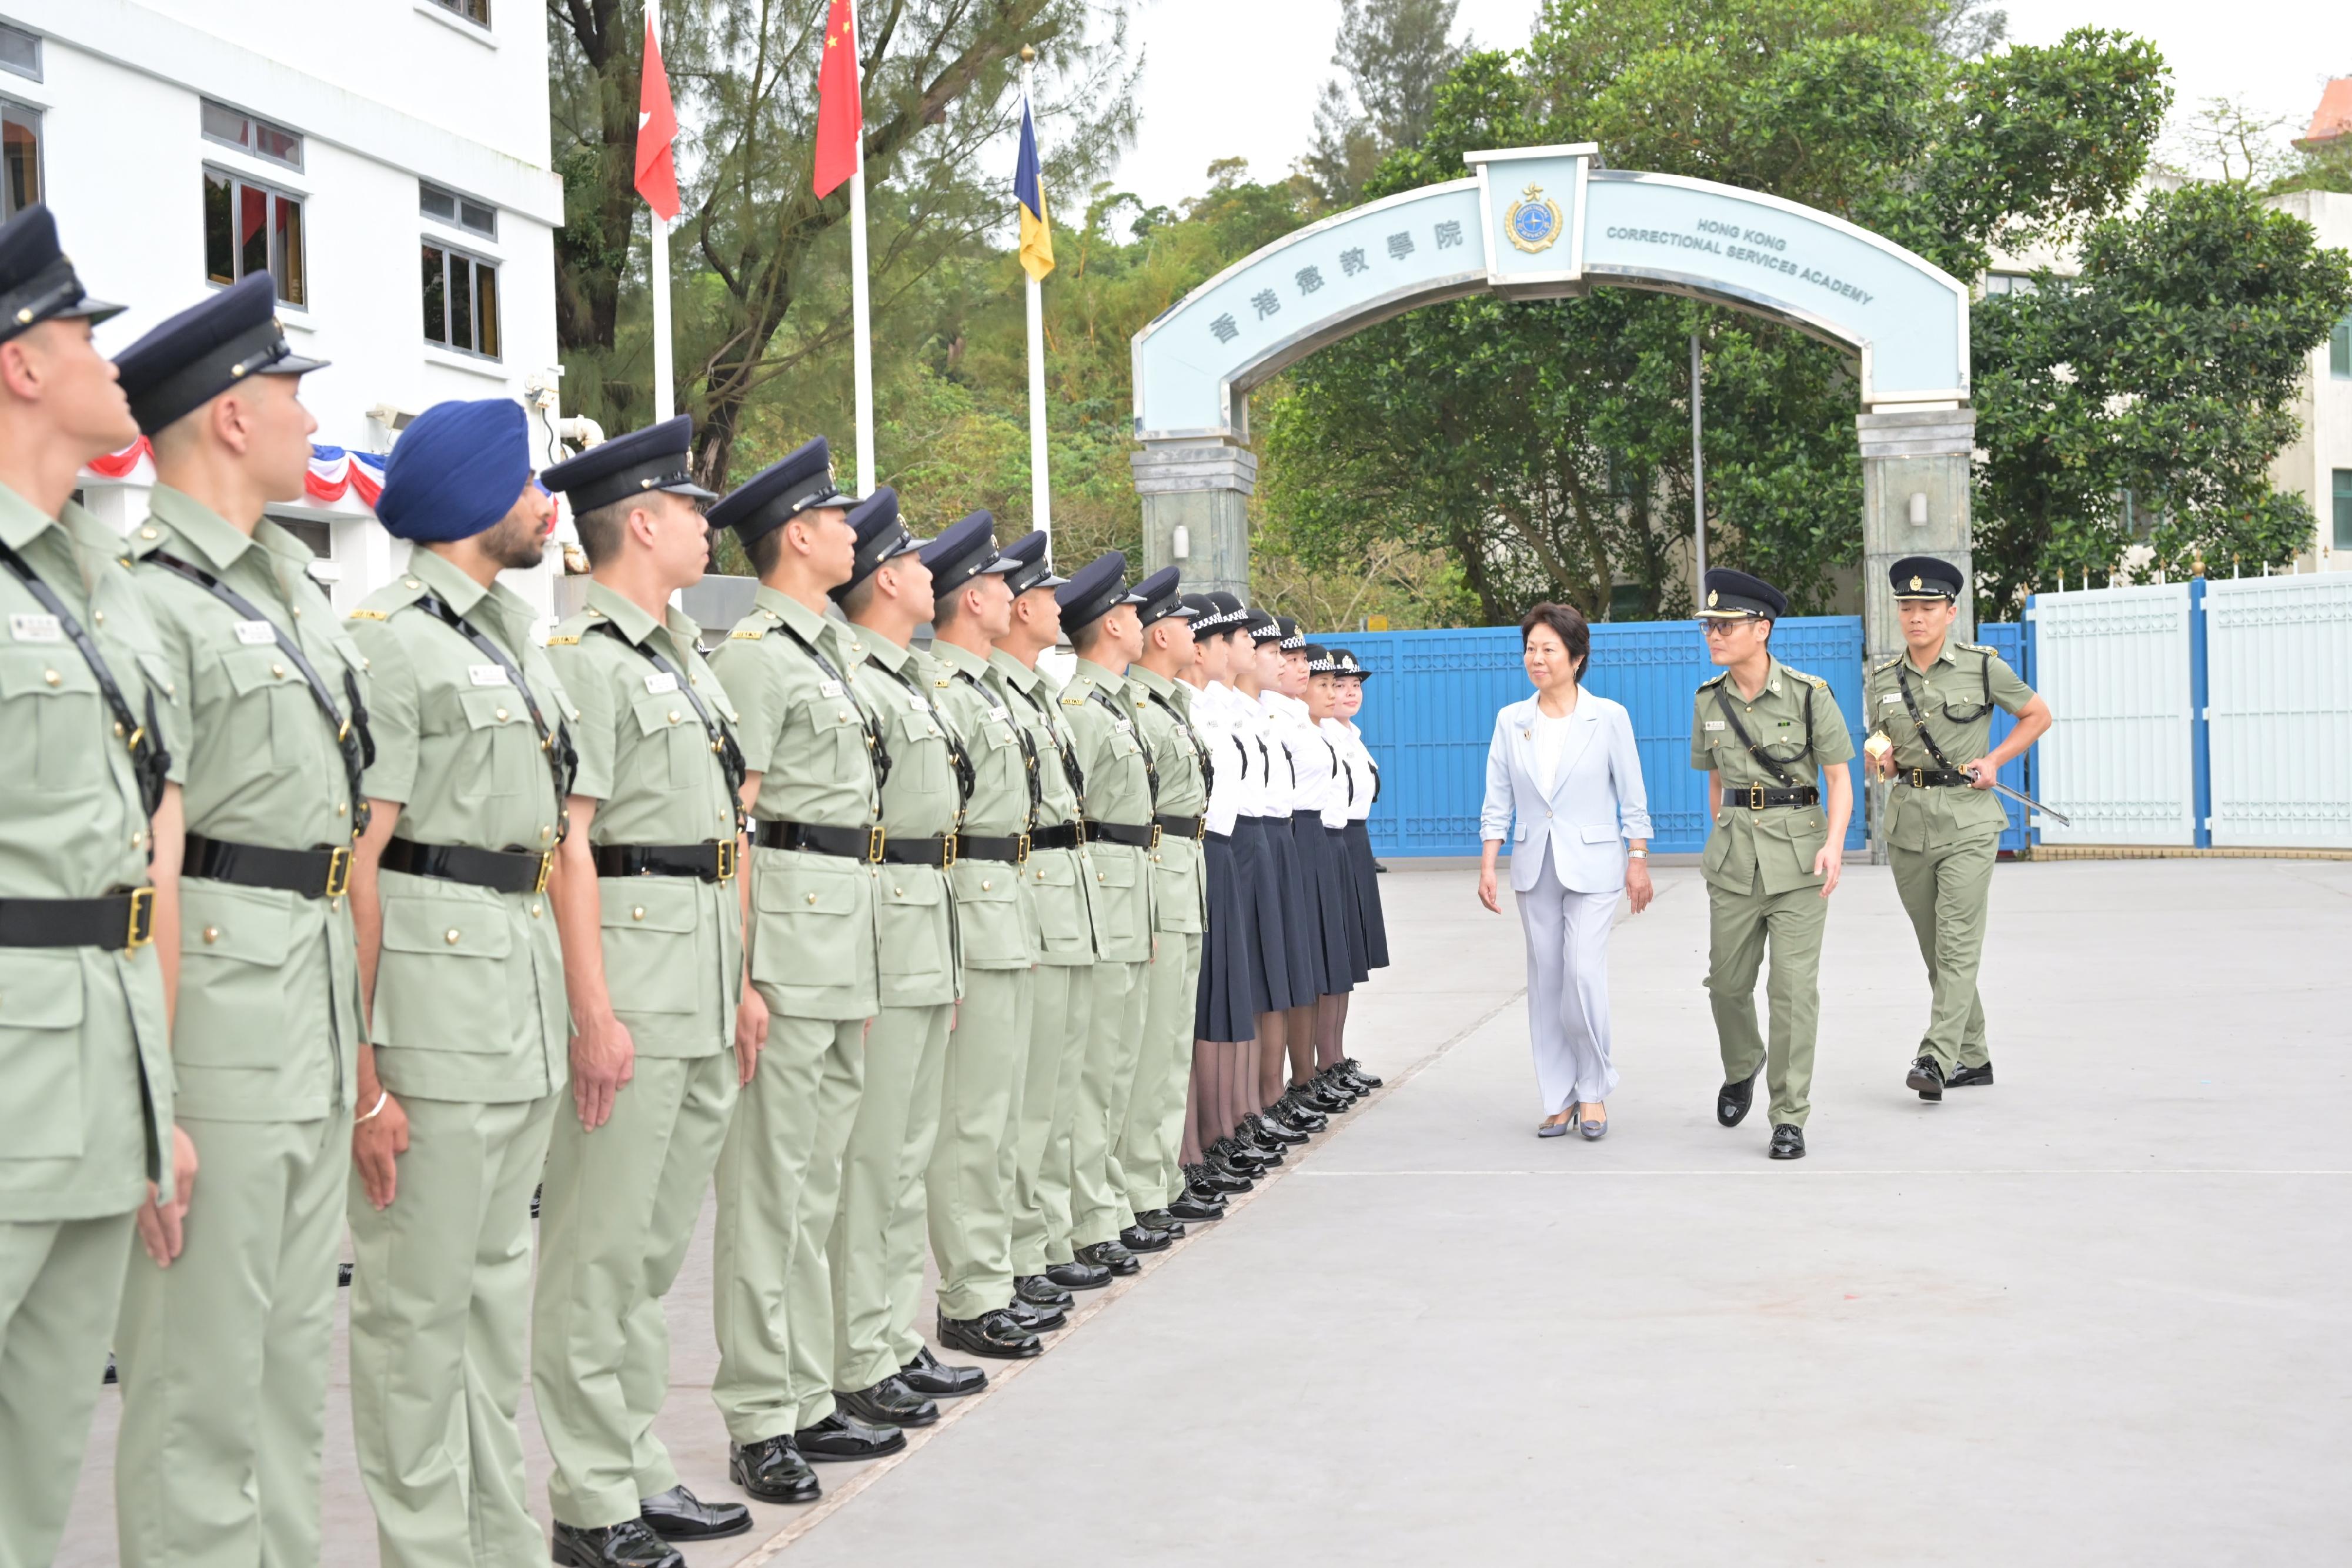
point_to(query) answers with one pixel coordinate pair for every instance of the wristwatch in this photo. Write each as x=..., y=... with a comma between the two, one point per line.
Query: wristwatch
x=1637, y=854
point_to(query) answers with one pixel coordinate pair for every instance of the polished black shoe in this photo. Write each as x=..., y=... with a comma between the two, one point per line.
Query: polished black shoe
x=772, y=1470
x=1969, y=1077
x=1356, y=1070
x=679, y=1515
x=1309, y=1096
x=927, y=1374
x=1787, y=1142
x=889, y=1403
x=997, y=1334
x=1261, y=1145
x=1143, y=1239
x=1112, y=1256
x=628, y=1544
x=1298, y=1111
x=1731, y=1100
x=1035, y=1319
x=1927, y=1079
x=1205, y=1178
x=1334, y=1080
x=1077, y=1274
x=1285, y=1124
x=841, y=1438
x=1039, y=1292
x=1191, y=1209
x=1161, y=1219
x=1234, y=1170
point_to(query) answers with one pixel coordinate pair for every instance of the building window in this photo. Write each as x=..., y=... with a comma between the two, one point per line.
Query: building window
x=2008, y=283
x=2339, y=351
x=20, y=158
x=235, y=127
x=311, y=531
x=461, y=301
x=2343, y=508
x=473, y=11
x=461, y=212
x=251, y=228
x=20, y=51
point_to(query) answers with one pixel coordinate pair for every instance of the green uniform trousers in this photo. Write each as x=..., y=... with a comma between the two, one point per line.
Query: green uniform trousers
x=223, y=1356
x=1947, y=891
x=1060, y=1014
x=969, y=1181
x=1098, y=1210
x=779, y=1182
x=440, y=1311
x=1739, y=925
x=61, y=1285
x=1151, y=1145
x=881, y=1180
x=614, y=1223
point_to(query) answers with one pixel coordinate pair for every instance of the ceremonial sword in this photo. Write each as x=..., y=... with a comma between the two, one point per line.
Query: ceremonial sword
x=1878, y=746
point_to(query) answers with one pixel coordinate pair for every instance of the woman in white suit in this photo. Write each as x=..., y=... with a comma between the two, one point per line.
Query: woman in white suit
x=1563, y=762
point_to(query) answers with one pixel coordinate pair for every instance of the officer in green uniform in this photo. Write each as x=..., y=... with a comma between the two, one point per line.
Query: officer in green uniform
x=1055, y=884
x=814, y=762
x=1151, y=1142
x=223, y=1354
x=465, y=1063
x=972, y=1163
x=1099, y=614
x=85, y=1067
x=645, y=899
x=1774, y=747
x=1930, y=711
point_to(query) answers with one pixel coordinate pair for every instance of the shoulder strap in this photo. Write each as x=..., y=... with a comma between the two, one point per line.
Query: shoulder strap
x=1184, y=729
x=149, y=761
x=1779, y=773
x=562, y=759
x=965, y=776
x=1918, y=720
x=1028, y=748
x=1150, y=768
x=1076, y=775
x=722, y=739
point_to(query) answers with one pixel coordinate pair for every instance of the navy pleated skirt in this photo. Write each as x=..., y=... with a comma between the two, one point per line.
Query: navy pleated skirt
x=1351, y=909
x=1326, y=897
x=1263, y=846
x=1226, y=1006
x=1367, y=884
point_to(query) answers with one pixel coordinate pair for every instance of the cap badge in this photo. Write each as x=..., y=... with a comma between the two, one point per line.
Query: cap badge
x=1711, y=597
x=1534, y=222
x=1914, y=580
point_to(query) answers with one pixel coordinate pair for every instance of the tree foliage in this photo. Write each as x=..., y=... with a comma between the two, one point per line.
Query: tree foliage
x=1393, y=54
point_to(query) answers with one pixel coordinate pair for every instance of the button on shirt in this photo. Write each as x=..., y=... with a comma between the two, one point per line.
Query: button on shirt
x=1955, y=696
x=1779, y=842
x=268, y=1020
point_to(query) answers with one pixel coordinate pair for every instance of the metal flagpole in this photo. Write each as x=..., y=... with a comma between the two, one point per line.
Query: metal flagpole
x=1041, y=490
x=665, y=388
x=861, y=305
x=1698, y=485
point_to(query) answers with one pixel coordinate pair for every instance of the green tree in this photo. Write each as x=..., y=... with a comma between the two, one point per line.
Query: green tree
x=1393, y=54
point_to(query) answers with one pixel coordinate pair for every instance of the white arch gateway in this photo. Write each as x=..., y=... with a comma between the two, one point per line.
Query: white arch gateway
x=1534, y=222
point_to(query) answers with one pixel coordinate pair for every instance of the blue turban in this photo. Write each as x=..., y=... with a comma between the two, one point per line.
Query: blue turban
x=455, y=471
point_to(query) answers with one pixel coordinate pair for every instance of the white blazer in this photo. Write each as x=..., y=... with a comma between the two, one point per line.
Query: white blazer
x=1594, y=807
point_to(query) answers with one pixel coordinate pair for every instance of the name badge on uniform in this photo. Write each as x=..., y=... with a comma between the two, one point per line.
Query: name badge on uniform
x=487, y=674
x=256, y=634
x=1890, y=697
x=919, y=702
x=828, y=688
x=1002, y=715
x=1715, y=724
x=1122, y=726
x=37, y=629
x=661, y=680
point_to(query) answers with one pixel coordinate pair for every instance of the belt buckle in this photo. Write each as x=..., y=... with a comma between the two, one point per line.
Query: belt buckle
x=1077, y=832
x=142, y=929
x=339, y=871
x=1155, y=837
x=1020, y=850
x=726, y=859
x=1919, y=778
x=1756, y=796
x=1200, y=827
x=947, y=851
x=546, y=863
x=875, y=841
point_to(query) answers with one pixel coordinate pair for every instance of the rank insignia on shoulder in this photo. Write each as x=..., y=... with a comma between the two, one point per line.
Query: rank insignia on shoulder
x=1074, y=702
x=564, y=642
x=366, y=615
x=744, y=636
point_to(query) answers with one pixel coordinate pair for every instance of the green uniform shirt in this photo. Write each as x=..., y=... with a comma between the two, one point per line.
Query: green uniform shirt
x=1956, y=698
x=1057, y=880
x=920, y=800
x=1119, y=789
x=803, y=732
x=1779, y=842
x=469, y=1002
x=1163, y=715
x=998, y=925
x=268, y=1021
x=672, y=945
x=85, y=1057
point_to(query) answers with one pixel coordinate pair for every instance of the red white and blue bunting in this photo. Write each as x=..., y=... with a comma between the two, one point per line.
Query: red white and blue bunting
x=334, y=472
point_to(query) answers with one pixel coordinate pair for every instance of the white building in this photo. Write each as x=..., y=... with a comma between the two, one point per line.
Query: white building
x=385, y=160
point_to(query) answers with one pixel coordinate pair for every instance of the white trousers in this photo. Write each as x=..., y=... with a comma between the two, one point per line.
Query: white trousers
x=1567, y=988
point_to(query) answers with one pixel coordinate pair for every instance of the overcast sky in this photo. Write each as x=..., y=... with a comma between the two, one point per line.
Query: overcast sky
x=1238, y=78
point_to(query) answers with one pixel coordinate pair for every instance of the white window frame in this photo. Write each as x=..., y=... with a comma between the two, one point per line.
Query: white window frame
x=30, y=36
x=237, y=177
x=38, y=115
x=479, y=259
x=456, y=8
x=458, y=202
x=247, y=148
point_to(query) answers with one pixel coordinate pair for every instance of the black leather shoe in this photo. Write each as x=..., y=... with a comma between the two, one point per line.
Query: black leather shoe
x=628, y=1544
x=1035, y=1319
x=1205, y=1178
x=1285, y=1124
x=1112, y=1256
x=1039, y=1292
x=1077, y=1274
x=1356, y=1070
x=1334, y=1080
x=889, y=1403
x=1189, y=1210
x=1318, y=1095
x=1787, y=1142
x=1969, y=1077
x=1161, y=1219
x=1232, y=1170
x=679, y=1515
x=772, y=1470
x=1927, y=1079
x=1143, y=1239
x=927, y=1374
x=1254, y=1143
x=1296, y=1115
x=1731, y=1100
x=839, y=1438
x=997, y=1334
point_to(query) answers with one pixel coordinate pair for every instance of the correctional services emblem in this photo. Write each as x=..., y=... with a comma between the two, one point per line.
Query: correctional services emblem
x=1915, y=581
x=1711, y=597
x=1535, y=221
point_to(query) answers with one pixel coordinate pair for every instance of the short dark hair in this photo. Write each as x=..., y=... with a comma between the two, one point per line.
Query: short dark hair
x=1568, y=624
x=860, y=594
x=600, y=528
x=1085, y=637
x=764, y=550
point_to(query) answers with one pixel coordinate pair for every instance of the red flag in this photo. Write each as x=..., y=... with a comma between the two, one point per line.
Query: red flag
x=840, y=114
x=656, y=130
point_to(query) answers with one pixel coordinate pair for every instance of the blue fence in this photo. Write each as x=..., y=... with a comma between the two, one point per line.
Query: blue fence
x=1430, y=711
x=2009, y=640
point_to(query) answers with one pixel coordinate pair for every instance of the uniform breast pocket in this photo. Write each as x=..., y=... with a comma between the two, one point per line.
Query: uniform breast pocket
x=442, y=983
x=500, y=746
x=267, y=701
x=233, y=948
x=651, y=961
x=995, y=923
x=671, y=737
x=40, y=1054
x=918, y=753
x=49, y=698
x=836, y=742
x=816, y=925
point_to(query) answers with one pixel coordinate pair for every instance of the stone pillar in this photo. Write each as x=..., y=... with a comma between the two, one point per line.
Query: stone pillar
x=1202, y=487
x=1914, y=501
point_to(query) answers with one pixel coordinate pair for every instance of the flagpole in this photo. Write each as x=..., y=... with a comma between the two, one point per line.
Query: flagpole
x=860, y=309
x=664, y=383
x=1041, y=490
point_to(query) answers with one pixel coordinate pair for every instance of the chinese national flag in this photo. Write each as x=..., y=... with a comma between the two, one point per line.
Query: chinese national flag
x=656, y=130
x=840, y=116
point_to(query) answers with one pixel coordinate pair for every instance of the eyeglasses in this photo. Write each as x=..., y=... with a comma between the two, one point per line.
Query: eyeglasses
x=1720, y=628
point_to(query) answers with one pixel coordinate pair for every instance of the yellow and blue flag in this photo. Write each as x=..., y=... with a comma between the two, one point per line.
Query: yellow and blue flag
x=1036, y=233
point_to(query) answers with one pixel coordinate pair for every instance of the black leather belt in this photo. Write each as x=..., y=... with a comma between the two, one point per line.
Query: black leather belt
x=1934, y=778
x=1060, y=836
x=1180, y=826
x=940, y=851
x=500, y=870
x=1756, y=798
x=313, y=873
x=712, y=861
x=118, y=920
x=1013, y=847
x=1141, y=836
x=849, y=844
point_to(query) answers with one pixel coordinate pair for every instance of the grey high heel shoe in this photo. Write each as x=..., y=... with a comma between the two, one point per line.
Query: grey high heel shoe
x=1558, y=1129
x=1593, y=1131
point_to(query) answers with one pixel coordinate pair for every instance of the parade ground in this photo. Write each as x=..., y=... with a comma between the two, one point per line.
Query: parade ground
x=2090, y=1315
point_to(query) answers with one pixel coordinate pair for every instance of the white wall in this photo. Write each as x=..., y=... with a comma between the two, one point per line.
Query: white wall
x=2325, y=406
